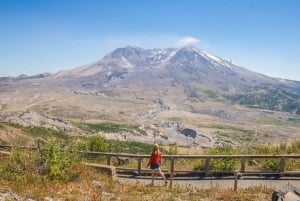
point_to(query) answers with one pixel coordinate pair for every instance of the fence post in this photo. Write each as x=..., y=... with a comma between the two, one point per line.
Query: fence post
x=108, y=159
x=243, y=161
x=207, y=166
x=139, y=160
x=282, y=164
x=172, y=171
x=235, y=180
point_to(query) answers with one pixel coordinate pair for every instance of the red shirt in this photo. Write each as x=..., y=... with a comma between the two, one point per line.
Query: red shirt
x=155, y=158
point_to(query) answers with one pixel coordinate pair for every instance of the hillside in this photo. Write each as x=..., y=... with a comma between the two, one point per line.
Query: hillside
x=184, y=96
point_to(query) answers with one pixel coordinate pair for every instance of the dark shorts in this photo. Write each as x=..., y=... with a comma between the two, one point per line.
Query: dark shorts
x=154, y=166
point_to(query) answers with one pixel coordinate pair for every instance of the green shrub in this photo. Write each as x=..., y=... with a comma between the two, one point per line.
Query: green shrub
x=97, y=143
x=219, y=164
x=270, y=164
x=273, y=164
x=173, y=150
x=56, y=160
x=295, y=147
x=50, y=161
x=19, y=163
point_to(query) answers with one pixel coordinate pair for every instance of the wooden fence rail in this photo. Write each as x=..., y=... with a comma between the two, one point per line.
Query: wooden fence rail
x=206, y=172
x=243, y=171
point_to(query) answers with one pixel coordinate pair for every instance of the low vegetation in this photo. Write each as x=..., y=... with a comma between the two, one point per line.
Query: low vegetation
x=108, y=127
x=55, y=173
x=54, y=170
x=90, y=143
x=219, y=164
x=228, y=133
x=274, y=164
x=267, y=98
x=259, y=164
x=294, y=121
x=38, y=132
x=51, y=162
x=211, y=94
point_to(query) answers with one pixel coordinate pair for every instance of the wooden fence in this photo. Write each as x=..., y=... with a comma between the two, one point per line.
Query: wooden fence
x=244, y=170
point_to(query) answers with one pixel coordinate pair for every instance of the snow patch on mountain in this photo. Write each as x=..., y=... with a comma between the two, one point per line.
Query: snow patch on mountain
x=126, y=63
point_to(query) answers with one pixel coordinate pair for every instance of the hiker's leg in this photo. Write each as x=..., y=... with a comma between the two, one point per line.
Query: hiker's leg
x=161, y=173
x=163, y=176
x=152, y=176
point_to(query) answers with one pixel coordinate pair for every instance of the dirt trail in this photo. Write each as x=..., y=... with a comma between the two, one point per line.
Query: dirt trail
x=224, y=183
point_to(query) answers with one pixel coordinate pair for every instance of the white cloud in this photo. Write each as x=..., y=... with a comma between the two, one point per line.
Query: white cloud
x=187, y=41
x=147, y=41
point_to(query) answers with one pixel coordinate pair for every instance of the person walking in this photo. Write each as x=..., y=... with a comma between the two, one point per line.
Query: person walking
x=154, y=162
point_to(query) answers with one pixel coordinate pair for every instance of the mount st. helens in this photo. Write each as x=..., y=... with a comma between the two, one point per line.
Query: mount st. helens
x=177, y=95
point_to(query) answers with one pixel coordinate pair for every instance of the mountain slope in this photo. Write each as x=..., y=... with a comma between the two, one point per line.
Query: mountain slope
x=137, y=70
x=165, y=92
x=190, y=61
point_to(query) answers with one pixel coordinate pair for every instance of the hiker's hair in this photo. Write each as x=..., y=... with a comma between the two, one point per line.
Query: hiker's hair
x=155, y=149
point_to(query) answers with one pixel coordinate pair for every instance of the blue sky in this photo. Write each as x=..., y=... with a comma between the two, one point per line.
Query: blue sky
x=39, y=36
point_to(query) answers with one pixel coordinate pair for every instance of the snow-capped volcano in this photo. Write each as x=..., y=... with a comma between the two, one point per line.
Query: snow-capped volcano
x=175, y=62
x=136, y=72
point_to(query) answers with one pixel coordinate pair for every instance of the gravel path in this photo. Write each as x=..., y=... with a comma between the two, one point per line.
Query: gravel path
x=225, y=182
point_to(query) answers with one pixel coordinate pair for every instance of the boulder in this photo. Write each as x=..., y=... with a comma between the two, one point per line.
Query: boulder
x=292, y=194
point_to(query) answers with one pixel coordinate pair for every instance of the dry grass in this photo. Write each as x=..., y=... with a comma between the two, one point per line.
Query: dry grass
x=83, y=189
